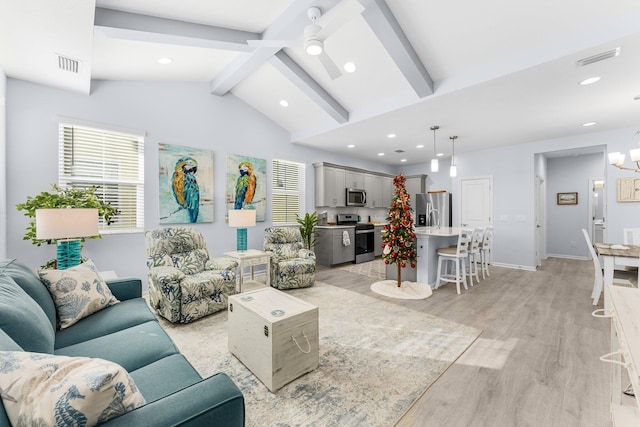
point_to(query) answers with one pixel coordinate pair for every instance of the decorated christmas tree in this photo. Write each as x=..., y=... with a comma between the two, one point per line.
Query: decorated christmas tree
x=398, y=236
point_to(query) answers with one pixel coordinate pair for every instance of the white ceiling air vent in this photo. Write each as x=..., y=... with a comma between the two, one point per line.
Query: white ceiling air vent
x=612, y=53
x=68, y=64
x=399, y=151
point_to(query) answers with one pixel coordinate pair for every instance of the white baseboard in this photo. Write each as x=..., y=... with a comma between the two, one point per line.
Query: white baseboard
x=581, y=258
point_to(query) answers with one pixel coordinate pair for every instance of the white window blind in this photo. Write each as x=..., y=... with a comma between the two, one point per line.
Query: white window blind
x=114, y=163
x=287, y=192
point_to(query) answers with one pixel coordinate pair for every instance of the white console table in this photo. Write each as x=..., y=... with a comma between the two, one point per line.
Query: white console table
x=625, y=351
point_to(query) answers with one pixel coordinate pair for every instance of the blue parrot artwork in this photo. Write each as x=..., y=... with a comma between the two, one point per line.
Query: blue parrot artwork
x=245, y=185
x=185, y=186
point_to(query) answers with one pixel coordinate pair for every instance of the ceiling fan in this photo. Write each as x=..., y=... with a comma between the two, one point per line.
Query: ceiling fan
x=313, y=42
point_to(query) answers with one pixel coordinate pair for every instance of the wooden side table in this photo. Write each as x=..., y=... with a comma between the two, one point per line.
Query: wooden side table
x=251, y=258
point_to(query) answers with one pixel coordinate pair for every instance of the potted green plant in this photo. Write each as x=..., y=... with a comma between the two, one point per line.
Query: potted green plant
x=308, y=229
x=63, y=198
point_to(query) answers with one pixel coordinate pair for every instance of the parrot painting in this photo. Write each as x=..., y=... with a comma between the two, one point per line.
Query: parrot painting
x=185, y=186
x=245, y=185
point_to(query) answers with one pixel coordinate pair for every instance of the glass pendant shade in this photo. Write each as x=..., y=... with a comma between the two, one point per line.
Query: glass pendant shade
x=434, y=165
x=434, y=161
x=453, y=171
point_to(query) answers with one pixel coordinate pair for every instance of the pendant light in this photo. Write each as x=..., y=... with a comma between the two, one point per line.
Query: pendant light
x=453, y=171
x=434, y=161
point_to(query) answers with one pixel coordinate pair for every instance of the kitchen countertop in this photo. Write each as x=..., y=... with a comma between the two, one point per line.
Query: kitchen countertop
x=437, y=231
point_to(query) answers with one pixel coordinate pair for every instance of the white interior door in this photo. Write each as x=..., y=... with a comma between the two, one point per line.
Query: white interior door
x=476, y=202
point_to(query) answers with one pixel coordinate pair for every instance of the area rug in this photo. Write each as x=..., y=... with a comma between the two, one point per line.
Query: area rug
x=407, y=290
x=376, y=359
x=375, y=269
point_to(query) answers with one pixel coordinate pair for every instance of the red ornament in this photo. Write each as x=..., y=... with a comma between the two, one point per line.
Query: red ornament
x=386, y=261
x=413, y=265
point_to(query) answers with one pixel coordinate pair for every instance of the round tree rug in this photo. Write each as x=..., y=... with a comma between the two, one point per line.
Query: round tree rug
x=407, y=290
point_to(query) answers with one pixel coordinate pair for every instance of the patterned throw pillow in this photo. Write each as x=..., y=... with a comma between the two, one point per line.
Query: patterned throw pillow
x=77, y=292
x=41, y=389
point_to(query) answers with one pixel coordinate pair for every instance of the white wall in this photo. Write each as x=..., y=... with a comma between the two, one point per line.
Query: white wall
x=3, y=168
x=435, y=180
x=181, y=114
x=564, y=222
x=513, y=169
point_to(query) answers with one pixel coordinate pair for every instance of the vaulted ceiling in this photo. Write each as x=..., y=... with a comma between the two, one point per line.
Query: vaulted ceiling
x=493, y=73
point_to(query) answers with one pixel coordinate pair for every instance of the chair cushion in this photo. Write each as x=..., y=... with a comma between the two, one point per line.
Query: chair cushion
x=29, y=281
x=23, y=319
x=297, y=265
x=164, y=377
x=42, y=389
x=77, y=292
x=7, y=344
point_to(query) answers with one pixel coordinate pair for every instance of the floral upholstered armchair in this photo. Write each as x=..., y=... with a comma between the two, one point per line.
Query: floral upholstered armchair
x=292, y=266
x=184, y=283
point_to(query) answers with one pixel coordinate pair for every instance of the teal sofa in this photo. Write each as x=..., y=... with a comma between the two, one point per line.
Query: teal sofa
x=127, y=333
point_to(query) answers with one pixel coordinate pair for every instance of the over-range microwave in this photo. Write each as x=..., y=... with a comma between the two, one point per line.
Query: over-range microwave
x=356, y=197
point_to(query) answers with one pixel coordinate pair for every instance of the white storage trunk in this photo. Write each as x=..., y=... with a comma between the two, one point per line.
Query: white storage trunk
x=273, y=334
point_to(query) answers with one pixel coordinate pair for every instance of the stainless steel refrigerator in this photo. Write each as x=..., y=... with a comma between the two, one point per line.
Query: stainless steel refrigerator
x=433, y=209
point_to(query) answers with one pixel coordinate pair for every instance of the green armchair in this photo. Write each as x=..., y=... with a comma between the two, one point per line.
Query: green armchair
x=184, y=283
x=292, y=266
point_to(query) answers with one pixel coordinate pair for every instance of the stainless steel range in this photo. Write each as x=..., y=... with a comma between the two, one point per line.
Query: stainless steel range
x=363, y=244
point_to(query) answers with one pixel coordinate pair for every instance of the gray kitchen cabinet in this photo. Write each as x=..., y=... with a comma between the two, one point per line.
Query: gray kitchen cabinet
x=415, y=184
x=329, y=185
x=377, y=240
x=387, y=192
x=330, y=248
x=354, y=179
x=373, y=186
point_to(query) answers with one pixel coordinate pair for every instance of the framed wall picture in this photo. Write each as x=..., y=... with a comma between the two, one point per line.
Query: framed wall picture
x=567, y=198
x=186, y=184
x=247, y=184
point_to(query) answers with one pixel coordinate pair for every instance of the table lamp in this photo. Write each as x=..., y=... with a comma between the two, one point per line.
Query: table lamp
x=241, y=219
x=66, y=226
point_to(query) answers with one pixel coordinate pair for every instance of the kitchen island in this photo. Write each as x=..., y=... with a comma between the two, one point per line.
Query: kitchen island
x=429, y=240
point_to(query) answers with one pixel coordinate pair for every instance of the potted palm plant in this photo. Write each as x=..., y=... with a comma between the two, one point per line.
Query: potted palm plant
x=308, y=229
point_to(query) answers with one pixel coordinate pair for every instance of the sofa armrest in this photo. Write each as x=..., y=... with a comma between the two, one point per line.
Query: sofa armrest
x=221, y=263
x=125, y=288
x=214, y=401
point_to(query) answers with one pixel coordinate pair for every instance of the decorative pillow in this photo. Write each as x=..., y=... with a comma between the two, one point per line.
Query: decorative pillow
x=42, y=389
x=77, y=292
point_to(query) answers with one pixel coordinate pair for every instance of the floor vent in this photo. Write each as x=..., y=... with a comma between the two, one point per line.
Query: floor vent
x=598, y=57
x=68, y=64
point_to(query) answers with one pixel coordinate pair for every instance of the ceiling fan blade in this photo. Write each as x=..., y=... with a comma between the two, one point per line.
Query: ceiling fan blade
x=329, y=65
x=338, y=16
x=273, y=43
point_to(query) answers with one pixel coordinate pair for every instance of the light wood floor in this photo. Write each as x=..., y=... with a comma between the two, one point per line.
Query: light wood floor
x=536, y=361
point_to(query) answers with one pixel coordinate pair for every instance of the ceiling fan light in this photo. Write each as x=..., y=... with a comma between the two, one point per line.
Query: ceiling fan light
x=635, y=155
x=313, y=47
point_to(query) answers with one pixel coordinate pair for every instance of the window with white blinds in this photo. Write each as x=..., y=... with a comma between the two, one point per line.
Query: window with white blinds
x=287, y=192
x=111, y=161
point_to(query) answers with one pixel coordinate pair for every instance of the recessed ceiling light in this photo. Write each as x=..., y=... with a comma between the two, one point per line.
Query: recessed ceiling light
x=380, y=154
x=165, y=61
x=588, y=124
x=420, y=146
x=589, y=81
x=349, y=67
x=439, y=154
x=391, y=135
x=403, y=160
x=284, y=103
x=350, y=146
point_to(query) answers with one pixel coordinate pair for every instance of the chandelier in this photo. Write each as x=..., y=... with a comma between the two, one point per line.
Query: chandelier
x=617, y=159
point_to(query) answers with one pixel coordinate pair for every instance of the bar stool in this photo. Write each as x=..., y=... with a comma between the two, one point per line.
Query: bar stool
x=475, y=256
x=485, y=249
x=456, y=255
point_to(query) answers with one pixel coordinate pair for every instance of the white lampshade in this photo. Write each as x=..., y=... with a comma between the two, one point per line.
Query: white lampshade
x=313, y=47
x=434, y=165
x=242, y=218
x=66, y=223
x=453, y=171
x=635, y=154
x=616, y=158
